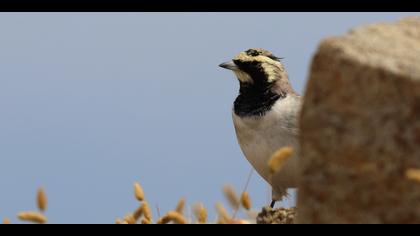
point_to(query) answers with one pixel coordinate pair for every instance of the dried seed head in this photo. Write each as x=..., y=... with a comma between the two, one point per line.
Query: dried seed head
x=220, y=221
x=278, y=159
x=180, y=206
x=145, y=222
x=222, y=213
x=118, y=221
x=138, y=213
x=176, y=217
x=200, y=213
x=147, y=212
x=246, y=201
x=231, y=196
x=413, y=174
x=138, y=192
x=6, y=221
x=173, y=216
x=34, y=217
x=239, y=222
x=129, y=218
x=42, y=199
x=163, y=220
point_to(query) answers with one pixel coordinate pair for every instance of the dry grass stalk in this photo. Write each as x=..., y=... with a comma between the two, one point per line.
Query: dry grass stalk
x=138, y=192
x=6, y=221
x=158, y=211
x=413, y=174
x=278, y=159
x=180, y=206
x=118, y=221
x=246, y=201
x=231, y=196
x=200, y=213
x=222, y=213
x=34, y=217
x=42, y=199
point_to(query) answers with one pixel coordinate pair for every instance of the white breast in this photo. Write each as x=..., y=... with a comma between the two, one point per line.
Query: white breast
x=260, y=137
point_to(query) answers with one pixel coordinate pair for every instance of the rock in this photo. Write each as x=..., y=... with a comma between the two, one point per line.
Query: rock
x=360, y=128
x=276, y=216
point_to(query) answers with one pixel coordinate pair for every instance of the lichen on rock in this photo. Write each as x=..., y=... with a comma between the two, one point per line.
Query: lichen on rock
x=276, y=216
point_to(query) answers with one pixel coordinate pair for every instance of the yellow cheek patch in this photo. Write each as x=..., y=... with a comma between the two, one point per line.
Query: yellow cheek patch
x=243, y=76
x=273, y=69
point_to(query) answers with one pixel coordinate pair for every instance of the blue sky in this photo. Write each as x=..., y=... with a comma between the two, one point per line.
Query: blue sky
x=91, y=102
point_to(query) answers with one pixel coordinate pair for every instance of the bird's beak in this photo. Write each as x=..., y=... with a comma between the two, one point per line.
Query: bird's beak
x=229, y=65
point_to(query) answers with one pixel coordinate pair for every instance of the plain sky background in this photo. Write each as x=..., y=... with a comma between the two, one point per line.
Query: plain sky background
x=91, y=102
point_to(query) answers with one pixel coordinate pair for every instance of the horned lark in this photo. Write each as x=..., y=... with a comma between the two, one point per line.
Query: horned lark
x=265, y=115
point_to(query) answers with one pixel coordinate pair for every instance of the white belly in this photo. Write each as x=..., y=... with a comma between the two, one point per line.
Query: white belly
x=260, y=137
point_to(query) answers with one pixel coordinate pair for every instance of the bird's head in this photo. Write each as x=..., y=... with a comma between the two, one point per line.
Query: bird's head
x=263, y=81
x=256, y=66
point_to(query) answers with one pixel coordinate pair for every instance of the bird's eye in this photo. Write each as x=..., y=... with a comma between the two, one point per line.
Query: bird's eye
x=236, y=62
x=252, y=52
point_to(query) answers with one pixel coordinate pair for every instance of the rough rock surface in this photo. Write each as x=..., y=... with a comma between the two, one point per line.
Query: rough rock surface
x=276, y=216
x=360, y=127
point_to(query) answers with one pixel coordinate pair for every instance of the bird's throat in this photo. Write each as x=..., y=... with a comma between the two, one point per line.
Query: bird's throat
x=255, y=101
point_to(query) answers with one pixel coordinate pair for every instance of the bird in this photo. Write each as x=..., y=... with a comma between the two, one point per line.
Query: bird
x=265, y=116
